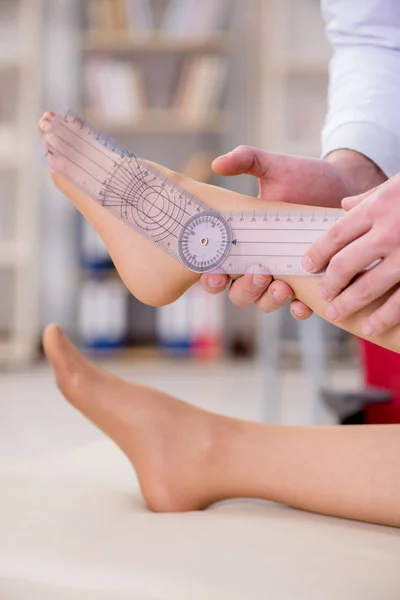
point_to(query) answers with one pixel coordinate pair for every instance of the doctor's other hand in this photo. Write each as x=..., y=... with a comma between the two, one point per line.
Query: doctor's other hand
x=369, y=232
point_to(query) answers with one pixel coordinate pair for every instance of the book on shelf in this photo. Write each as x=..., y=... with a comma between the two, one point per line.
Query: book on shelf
x=206, y=331
x=8, y=144
x=98, y=14
x=103, y=313
x=193, y=325
x=94, y=254
x=201, y=86
x=134, y=16
x=114, y=90
x=173, y=326
x=183, y=18
x=195, y=17
x=9, y=16
x=139, y=17
x=198, y=166
x=118, y=13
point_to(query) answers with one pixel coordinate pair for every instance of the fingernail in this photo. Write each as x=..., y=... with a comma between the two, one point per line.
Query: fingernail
x=215, y=281
x=331, y=313
x=323, y=293
x=307, y=263
x=260, y=280
x=298, y=314
x=367, y=330
x=279, y=298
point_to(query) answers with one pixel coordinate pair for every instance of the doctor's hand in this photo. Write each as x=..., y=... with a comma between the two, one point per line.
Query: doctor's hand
x=292, y=179
x=369, y=232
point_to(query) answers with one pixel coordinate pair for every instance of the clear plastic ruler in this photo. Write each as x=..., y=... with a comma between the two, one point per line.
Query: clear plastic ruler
x=198, y=236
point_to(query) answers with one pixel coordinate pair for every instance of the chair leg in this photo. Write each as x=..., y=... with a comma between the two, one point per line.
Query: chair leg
x=269, y=350
x=312, y=347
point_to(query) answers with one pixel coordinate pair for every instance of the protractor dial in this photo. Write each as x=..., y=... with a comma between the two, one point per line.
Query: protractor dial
x=205, y=242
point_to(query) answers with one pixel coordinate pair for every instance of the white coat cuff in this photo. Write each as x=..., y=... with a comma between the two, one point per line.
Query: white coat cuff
x=371, y=140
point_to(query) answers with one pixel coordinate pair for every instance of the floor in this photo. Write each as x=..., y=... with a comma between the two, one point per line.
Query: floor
x=35, y=418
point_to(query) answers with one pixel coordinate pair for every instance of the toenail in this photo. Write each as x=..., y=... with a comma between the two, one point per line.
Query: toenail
x=45, y=121
x=44, y=124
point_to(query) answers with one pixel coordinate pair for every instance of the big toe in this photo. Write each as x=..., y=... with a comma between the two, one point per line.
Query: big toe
x=101, y=397
x=73, y=372
x=45, y=121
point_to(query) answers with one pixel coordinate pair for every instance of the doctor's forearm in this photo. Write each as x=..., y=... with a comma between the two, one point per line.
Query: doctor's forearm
x=359, y=173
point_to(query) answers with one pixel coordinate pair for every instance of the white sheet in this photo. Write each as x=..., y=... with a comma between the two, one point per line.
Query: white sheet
x=75, y=527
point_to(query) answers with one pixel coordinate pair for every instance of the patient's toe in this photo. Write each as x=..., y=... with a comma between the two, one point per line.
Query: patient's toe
x=45, y=121
x=74, y=374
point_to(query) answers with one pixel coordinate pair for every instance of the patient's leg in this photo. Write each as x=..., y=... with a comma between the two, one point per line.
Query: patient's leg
x=187, y=458
x=160, y=279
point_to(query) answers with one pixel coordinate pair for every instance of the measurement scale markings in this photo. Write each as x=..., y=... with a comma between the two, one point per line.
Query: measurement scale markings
x=170, y=201
x=162, y=211
x=124, y=178
x=124, y=151
x=86, y=157
x=122, y=166
x=145, y=183
x=119, y=193
x=269, y=242
x=139, y=176
x=265, y=255
x=89, y=129
x=91, y=145
x=136, y=207
x=158, y=196
x=136, y=192
x=234, y=228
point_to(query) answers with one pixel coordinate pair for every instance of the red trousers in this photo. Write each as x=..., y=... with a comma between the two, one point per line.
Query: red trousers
x=381, y=369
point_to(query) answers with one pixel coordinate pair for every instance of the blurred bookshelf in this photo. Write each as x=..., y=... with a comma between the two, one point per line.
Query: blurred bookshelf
x=295, y=66
x=163, y=121
x=155, y=74
x=144, y=72
x=20, y=89
x=295, y=56
x=122, y=41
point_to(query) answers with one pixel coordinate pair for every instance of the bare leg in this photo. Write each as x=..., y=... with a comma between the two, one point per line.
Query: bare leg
x=160, y=279
x=187, y=458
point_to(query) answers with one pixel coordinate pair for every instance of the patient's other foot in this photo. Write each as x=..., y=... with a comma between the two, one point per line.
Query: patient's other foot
x=178, y=451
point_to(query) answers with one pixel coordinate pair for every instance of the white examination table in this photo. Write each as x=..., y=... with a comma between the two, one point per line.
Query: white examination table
x=74, y=527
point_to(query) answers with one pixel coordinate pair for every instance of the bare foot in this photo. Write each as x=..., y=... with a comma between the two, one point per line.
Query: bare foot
x=156, y=280
x=149, y=273
x=175, y=448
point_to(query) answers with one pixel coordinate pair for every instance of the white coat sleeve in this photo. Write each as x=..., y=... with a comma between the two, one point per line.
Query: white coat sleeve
x=364, y=87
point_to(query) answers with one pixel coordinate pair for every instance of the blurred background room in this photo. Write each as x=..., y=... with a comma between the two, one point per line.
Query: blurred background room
x=178, y=82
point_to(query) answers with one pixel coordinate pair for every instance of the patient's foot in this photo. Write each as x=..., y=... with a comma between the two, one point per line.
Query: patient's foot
x=159, y=279
x=177, y=450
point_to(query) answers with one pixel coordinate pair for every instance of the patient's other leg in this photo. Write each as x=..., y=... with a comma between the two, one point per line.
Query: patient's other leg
x=187, y=458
